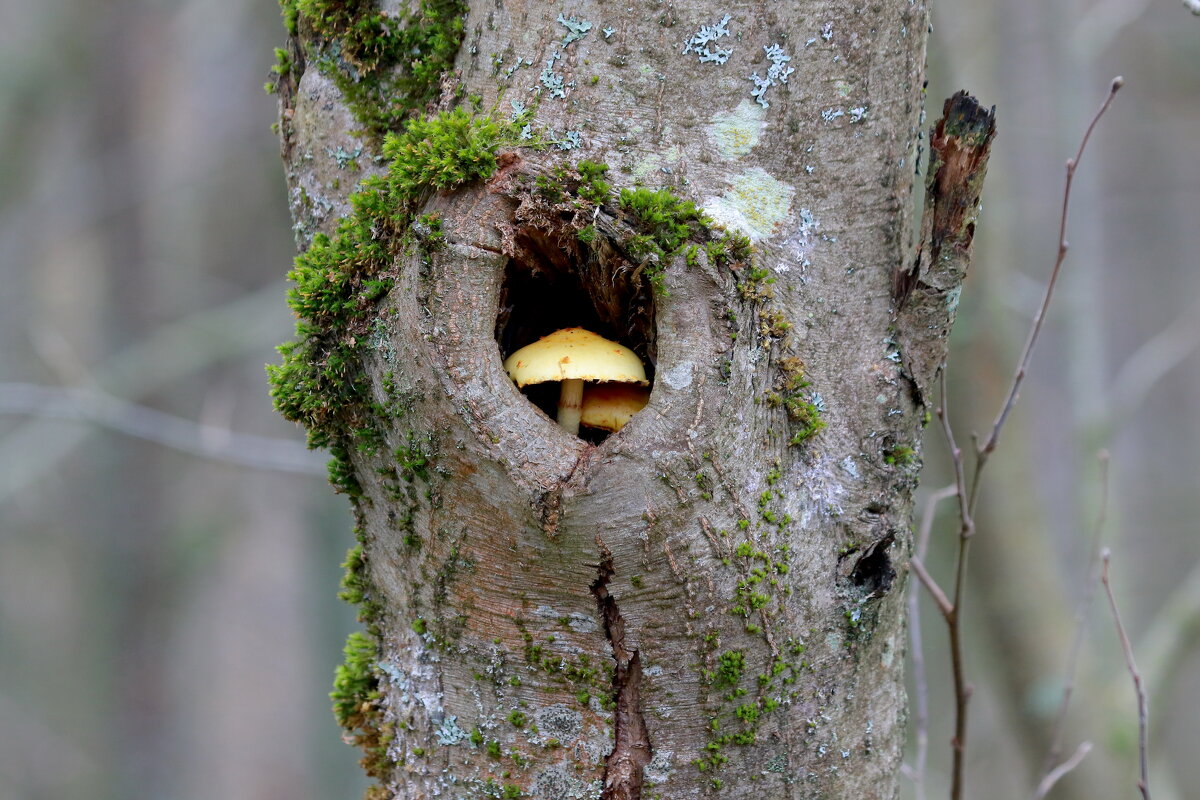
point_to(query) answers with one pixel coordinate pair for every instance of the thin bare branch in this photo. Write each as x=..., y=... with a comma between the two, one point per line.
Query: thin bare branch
x=219, y=444
x=916, y=772
x=928, y=516
x=1131, y=665
x=1082, y=612
x=251, y=323
x=1172, y=633
x=1055, y=775
x=960, y=476
x=935, y=591
x=1036, y=329
x=951, y=610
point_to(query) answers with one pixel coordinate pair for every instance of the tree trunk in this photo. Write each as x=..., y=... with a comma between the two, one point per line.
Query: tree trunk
x=705, y=602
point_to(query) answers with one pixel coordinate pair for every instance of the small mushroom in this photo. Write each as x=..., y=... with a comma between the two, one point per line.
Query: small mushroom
x=572, y=356
x=610, y=405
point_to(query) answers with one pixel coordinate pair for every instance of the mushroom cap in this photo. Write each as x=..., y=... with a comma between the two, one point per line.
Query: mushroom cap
x=609, y=406
x=574, y=354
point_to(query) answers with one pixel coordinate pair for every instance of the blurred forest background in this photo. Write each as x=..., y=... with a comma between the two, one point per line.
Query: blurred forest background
x=168, y=615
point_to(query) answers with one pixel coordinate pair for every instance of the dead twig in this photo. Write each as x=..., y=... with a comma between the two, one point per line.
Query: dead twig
x=184, y=435
x=939, y=597
x=916, y=771
x=1082, y=613
x=1055, y=775
x=1131, y=665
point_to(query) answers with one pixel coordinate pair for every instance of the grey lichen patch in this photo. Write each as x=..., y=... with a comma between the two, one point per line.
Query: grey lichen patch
x=581, y=623
x=825, y=492
x=576, y=28
x=679, y=376
x=558, y=722
x=755, y=204
x=660, y=767
x=449, y=732
x=736, y=132
x=777, y=73
x=801, y=241
x=553, y=81
x=323, y=146
x=555, y=783
x=700, y=41
x=569, y=141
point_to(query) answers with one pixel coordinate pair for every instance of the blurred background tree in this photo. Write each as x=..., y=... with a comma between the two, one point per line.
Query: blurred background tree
x=168, y=622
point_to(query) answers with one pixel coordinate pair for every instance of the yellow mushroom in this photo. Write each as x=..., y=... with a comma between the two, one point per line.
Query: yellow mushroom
x=610, y=405
x=572, y=356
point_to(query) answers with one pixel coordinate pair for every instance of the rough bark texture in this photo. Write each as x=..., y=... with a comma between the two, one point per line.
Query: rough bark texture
x=696, y=605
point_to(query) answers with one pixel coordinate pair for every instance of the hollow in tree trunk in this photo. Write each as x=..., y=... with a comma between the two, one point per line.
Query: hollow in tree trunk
x=705, y=602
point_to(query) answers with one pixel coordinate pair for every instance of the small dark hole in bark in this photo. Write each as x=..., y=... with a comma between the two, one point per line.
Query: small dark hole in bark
x=873, y=571
x=556, y=281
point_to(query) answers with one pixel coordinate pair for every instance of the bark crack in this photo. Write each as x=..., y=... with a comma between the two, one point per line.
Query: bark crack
x=631, y=747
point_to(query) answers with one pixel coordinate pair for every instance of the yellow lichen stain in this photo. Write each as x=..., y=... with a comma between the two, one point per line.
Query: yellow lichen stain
x=657, y=163
x=736, y=132
x=755, y=204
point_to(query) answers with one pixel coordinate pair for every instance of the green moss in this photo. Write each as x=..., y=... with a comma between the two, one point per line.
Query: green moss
x=412, y=458
x=803, y=414
x=283, y=62
x=291, y=15
x=773, y=324
x=593, y=187
x=729, y=249
x=355, y=682
x=386, y=67
x=356, y=705
x=900, y=455
x=356, y=587
x=807, y=419
x=758, y=285
x=282, y=66
x=339, y=280
x=743, y=705
x=444, y=152
x=341, y=471
x=665, y=224
x=668, y=221
x=730, y=666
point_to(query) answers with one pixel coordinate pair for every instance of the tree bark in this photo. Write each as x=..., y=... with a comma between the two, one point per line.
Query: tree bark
x=707, y=602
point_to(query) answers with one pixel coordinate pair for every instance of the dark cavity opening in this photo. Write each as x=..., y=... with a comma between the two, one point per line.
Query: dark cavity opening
x=873, y=572
x=557, y=281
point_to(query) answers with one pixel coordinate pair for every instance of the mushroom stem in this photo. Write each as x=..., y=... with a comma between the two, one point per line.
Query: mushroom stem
x=570, y=405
